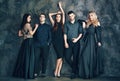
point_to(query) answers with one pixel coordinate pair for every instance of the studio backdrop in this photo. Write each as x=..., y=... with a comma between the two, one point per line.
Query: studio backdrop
x=11, y=13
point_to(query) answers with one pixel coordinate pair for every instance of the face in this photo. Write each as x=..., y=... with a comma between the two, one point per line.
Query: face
x=29, y=18
x=58, y=18
x=42, y=18
x=71, y=16
x=92, y=16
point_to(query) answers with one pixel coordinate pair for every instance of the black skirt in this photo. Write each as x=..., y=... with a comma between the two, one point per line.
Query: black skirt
x=25, y=61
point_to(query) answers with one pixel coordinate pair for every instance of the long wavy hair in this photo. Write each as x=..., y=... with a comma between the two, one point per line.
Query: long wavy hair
x=55, y=27
x=95, y=20
x=24, y=20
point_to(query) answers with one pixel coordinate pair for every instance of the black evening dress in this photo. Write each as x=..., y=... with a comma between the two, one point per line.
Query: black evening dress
x=88, y=59
x=25, y=61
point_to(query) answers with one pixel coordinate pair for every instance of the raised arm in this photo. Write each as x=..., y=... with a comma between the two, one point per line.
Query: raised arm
x=30, y=28
x=62, y=11
x=51, y=19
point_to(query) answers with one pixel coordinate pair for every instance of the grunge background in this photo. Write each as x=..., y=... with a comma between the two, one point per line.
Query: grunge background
x=11, y=12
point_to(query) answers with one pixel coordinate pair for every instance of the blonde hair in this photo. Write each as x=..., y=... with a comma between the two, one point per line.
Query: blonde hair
x=95, y=20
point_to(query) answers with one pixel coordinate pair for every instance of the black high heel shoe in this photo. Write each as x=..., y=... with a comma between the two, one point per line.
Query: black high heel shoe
x=55, y=75
x=58, y=76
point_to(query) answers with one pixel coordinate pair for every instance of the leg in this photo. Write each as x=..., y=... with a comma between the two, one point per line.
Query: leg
x=45, y=54
x=68, y=55
x=59, y=66
x=56, y=68
x=75, y=58
x=37, y=61
x=75, y=51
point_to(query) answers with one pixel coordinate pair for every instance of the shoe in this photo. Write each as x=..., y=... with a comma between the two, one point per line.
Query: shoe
x=55, y=74
x=73, y=76
x=42, y=75
x=35, y=75
x=58, y=76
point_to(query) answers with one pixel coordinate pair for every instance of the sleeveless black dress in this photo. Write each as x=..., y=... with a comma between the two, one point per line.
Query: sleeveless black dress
x=58, y=41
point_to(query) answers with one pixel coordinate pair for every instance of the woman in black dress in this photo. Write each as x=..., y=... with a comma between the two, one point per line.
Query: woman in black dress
x=25, y=63
x=88, y=63
x=57, y=37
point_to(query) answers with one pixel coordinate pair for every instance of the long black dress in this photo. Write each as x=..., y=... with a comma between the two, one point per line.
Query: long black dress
x=88, y=60
x=25, y=61
x=58, y=41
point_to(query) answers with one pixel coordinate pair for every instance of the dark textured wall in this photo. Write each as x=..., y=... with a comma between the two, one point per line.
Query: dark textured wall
x=11, y=12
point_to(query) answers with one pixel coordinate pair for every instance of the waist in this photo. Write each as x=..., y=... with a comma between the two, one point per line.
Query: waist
x=26, y=37
x=39, y=44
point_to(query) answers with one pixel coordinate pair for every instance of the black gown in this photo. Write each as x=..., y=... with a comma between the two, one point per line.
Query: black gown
x=88, y=60
x=58, y=41
x=24, y=67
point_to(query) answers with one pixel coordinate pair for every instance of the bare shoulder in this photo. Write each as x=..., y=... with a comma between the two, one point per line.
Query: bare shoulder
x=98, y=24
x=84, y=24
x=27, y=24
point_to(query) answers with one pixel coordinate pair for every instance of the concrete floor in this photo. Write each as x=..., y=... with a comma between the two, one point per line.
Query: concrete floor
x=60, y=79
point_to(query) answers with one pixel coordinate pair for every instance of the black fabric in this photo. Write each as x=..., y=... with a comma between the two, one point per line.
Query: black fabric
x=25, y=62
x=41, y=59
x=89, y=59
x=73, y=50
x=58, y=41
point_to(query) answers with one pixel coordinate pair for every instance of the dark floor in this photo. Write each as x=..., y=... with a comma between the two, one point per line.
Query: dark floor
x=61, y=79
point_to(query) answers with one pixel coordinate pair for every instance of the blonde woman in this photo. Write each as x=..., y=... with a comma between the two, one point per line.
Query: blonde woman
x=57, y=37
x=92, y=39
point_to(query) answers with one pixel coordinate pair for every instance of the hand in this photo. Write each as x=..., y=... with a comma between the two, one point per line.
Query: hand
x=59, y=12
x=59, y=3
x=20, y=33
x=74, y=40
x=99, y=44
x=66, y=45
x=36, y=25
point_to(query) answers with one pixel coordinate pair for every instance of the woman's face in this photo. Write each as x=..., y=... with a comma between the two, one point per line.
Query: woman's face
x=29, y=18
x=92, y=16
x=58, y=17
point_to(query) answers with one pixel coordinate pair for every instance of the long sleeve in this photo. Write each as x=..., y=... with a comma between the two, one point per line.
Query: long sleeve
x=84, y=34
x=98, y=33
x=50, y=35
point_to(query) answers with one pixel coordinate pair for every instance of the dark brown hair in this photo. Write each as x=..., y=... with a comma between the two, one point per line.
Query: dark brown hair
x=55, y=27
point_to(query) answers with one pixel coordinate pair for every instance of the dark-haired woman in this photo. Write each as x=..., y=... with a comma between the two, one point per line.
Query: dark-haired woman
x=25, y=62
x=57, y=37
